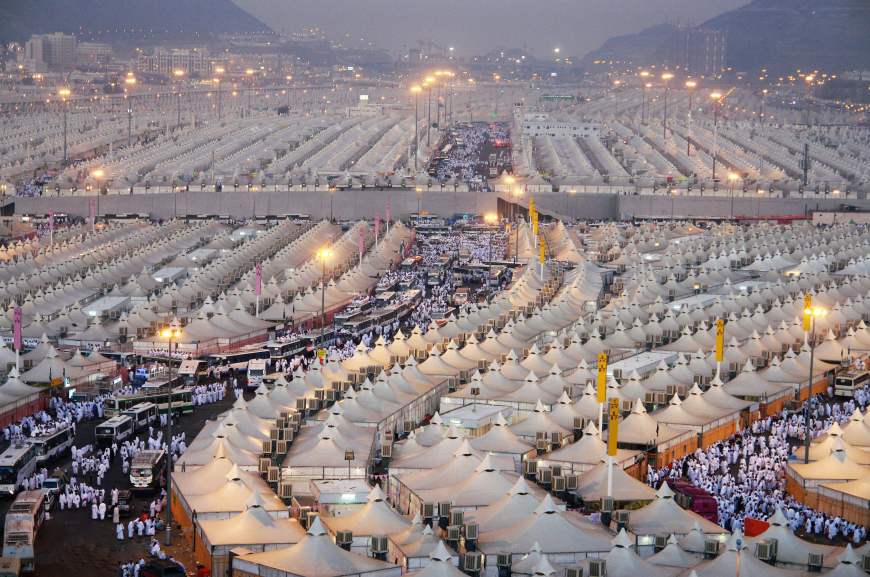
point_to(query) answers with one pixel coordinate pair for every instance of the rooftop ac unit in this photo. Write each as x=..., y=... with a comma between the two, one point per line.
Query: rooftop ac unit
x=379, y=545
x=274, y=474
x=649, y=398
x=556, y=438
x=444, y=509
x=606, y=504
x=545, y=475
x=661, y=542
x=574, y=572
x=472, y=531
x=285, y=490
x=428, y=510
x=281, y=447
x=264, y=465
x=571, y=482
x=344, y=537
x=541, y=445
x=386, y=451
x=815, y=560
x=559, y=484
x=456, y=517
x=531, y=467
x=453, y=533
x=597, y=568
x=473, y=561
x=622, y=517
x=711, y=549
x=766, y=550
x=504, y=560
x=267, y=447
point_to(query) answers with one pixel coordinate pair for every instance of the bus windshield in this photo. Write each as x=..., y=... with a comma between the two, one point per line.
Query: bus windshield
x=105, y=431
x=8, y=475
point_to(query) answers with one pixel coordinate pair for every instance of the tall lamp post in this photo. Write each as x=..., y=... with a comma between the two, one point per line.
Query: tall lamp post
x=490, y=221
x=715, y=96
x=666, y=77
x=811, y=314
x=179, y=74
x=428, y=86
x=131, y=81
x=810, y=79
x=173, y=332
x=643, y=87
x=615, y=100
x=416, y=90
x=323, y=255
x=691, y=85
x=732, y=177
x=518, y=192
x=64, y=93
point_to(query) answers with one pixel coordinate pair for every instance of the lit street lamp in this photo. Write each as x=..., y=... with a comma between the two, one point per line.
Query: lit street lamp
x=732, y=177
x=322, y=255
x=715, y=96
x=691, y=85
x=428, y=86
x=131, y=81
x=173, y=332
x=64, y=93
x=810, y=315
x=416, y=90
x=666, y=77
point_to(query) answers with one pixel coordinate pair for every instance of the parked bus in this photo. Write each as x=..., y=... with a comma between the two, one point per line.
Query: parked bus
x=693, y=498
x=143, y=415
x=146, y=471
x=237, y=360
x=256, y=372
x=182, y=399
x=281, y=350
x=10, y=567
x=16, y=464
x=193, y=371
x=847, y=382
x=23, y=521
x=52, y=446
x=411, y=263
x=114, y=430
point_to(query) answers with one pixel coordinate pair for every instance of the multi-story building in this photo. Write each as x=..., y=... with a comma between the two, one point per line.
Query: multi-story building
x=57, y=51
x=540, y=124
x=698, y=52
x=93, y=53
x=166, y=61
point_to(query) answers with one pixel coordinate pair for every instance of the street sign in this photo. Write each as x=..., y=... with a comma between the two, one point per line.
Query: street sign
x=602, y=377
x=613, y=427
x=720, y=340
x=808, y=305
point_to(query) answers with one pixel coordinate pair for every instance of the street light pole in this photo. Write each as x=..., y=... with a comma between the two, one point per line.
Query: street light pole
x=691, y=85
x=715, y=96
x=416, y=90
x=813, y=313
x=666, y=77
x=65, y=92
x=490, y=219
x=173, y=332
x=428, y=86
x=643, y=87
x=323, y=254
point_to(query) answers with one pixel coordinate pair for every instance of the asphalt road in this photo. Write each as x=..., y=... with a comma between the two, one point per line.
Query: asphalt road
x=70, y=543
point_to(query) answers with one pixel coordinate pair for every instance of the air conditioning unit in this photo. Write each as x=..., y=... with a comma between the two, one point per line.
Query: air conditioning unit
x=344, y=538
x=301, y=404
x=545, y=476
x=559, y=484
x=472, y=531
x=865, y=563
x=274, y=474
x=574, y=572
x=428, y=511
x=597, y=568
x=557, y=470
x=617, y=373
x=264, y=465
x=571, y=482
x=473, y=562
x=379, y=545
x=661, y=542
x=711, y=549
x=766, y=550
x=622, y=516
x=281, y=447
x=814, y=563
x=504, y=560
x=541, y=446
x=267, y=447
x=285, y=491
x=556, y=438
x=649, y=398
x=606, y=504
x=679, y=390
x=444, y=509
x=453, y=533
x=386, y=451
x=531, y=468
x=661, y=398
x=456, y=517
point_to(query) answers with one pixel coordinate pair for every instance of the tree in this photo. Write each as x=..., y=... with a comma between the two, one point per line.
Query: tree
x=283, y=110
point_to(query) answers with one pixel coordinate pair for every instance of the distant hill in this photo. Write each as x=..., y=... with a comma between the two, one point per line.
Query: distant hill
x=181, y=18
x=777, y=35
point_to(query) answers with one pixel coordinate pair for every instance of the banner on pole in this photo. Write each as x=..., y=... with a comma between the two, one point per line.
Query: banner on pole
x=602, y=377
x=542, y=250
x=259, y=279
x=720, y=340
x=613, y=427
x=16, y=334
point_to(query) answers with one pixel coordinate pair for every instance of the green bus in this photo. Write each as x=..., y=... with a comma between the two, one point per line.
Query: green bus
x=157, y=393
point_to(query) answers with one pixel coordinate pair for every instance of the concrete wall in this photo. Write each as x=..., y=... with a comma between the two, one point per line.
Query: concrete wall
x=365, y=203
x=345, y=204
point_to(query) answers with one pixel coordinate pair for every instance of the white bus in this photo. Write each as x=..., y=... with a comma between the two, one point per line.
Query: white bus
x=16, y=464
x=50, y=447
x=193, y=371
x=115, y=429
x=256, y=372
x=143, y=414
x=146, y=471
x=23, y=522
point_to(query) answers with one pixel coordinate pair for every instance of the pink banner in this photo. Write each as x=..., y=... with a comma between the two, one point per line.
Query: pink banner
x=361, y=244
x=16, y=335
x=259, y=279
x=50, y=219
x=388, y=211
x=93, y=209
x=377, y=224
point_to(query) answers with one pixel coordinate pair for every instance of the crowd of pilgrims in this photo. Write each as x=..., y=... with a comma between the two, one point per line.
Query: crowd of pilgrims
x=465, y=160
x=746, y=473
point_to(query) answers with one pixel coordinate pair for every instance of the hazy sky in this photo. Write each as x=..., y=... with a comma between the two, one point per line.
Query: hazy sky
x=477, y=26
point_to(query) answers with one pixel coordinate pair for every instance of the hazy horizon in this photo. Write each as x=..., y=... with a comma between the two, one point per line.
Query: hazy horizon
x=475, y=27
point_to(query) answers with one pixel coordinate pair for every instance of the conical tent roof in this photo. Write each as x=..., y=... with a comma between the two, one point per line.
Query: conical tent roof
x=790, y=548
x=375, y=518
x=592, y=485
x=316, y=555
x=440, y=564
x=663, y=515
x=518, y=504
x=252, y=526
